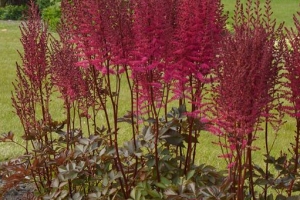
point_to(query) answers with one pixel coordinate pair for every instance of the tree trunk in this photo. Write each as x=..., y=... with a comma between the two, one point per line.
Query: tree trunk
x=3, y=3
x=18, y=2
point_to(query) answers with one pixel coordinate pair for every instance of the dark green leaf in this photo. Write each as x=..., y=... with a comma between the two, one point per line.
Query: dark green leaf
x=281, y=160
x=151, y=120
x=173, y=137
x=150, y=163
x=260, y=181
x=188, y=138
x=161, y=185
x=127, y=120
x=280, y=197
x=190, y=174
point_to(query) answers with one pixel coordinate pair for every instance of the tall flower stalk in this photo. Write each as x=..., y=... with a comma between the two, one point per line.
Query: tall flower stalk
x=152, y=30
x=247, y=76
x=100, y=31
x=32, y=91
x=162, y=46
x=165, y=49
x=292, y=74
x=69, y=80
x=198, y=31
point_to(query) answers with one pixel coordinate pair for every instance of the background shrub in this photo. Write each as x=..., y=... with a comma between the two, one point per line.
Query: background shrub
x=42, y=4
x=160, y=159
x=50, y=11
x=11, y=12
x=52, y=15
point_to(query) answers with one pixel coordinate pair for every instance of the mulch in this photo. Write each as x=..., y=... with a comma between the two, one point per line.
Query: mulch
x=22, y=191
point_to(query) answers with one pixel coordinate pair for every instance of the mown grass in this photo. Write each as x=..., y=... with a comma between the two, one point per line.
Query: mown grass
x=9, y=43
x=207, y=152
x=283, y=10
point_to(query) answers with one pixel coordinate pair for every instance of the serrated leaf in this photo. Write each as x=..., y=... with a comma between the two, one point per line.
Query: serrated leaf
x=71, y=166
x=165, y=181
x=205, y=193
x=279, y=167
x=61, y=177
x=55, y=183
x=102, y=152
x=61, y=132
x=173, y=137
x=113, y=190
x=281, y=160
x=63, y=194
x=105, y=180
x=79, y=149
x=192, y=187
x=153, y=193
x=62, y=169
x=269, y=159
x=230, y=196
x=94, y=195
x=261, y=181
x=170, y=192
x=150, y=162
x=63, y=184
x=71, y=175
x=163, y=130
x=132, y=193
x=213, y=190
x=77, y=196
x=148, y=135
x=161, y=185
x=122, y=119
x=260, y=170
x=212, y=179
x=81, y=165
x=47, y=197
x=190, y=174
x=84, y=141
x=138, y=195
x=150, y=120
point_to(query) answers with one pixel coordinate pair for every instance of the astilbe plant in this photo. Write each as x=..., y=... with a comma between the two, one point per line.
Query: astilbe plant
x=245, y=89
x=152, y=30
x=155, y=31
x=102, y=34
x=292, y=67
x=140, y=36
x=198, y=31
x=31, y=98
x=33, y=87
x=166, y=50
x=69, y=80
x=174, y=46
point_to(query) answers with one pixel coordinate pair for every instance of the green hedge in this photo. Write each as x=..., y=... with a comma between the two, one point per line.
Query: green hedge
x=11, y=12
x=52, y=14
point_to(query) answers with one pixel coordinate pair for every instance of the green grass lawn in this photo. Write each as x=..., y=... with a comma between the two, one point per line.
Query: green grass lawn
x=283, y=10
x=9, y=43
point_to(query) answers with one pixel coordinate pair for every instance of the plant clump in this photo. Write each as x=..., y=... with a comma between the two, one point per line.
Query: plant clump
x=184, y=74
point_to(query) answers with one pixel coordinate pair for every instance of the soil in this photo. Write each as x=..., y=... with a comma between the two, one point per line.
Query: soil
x=20, y=192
